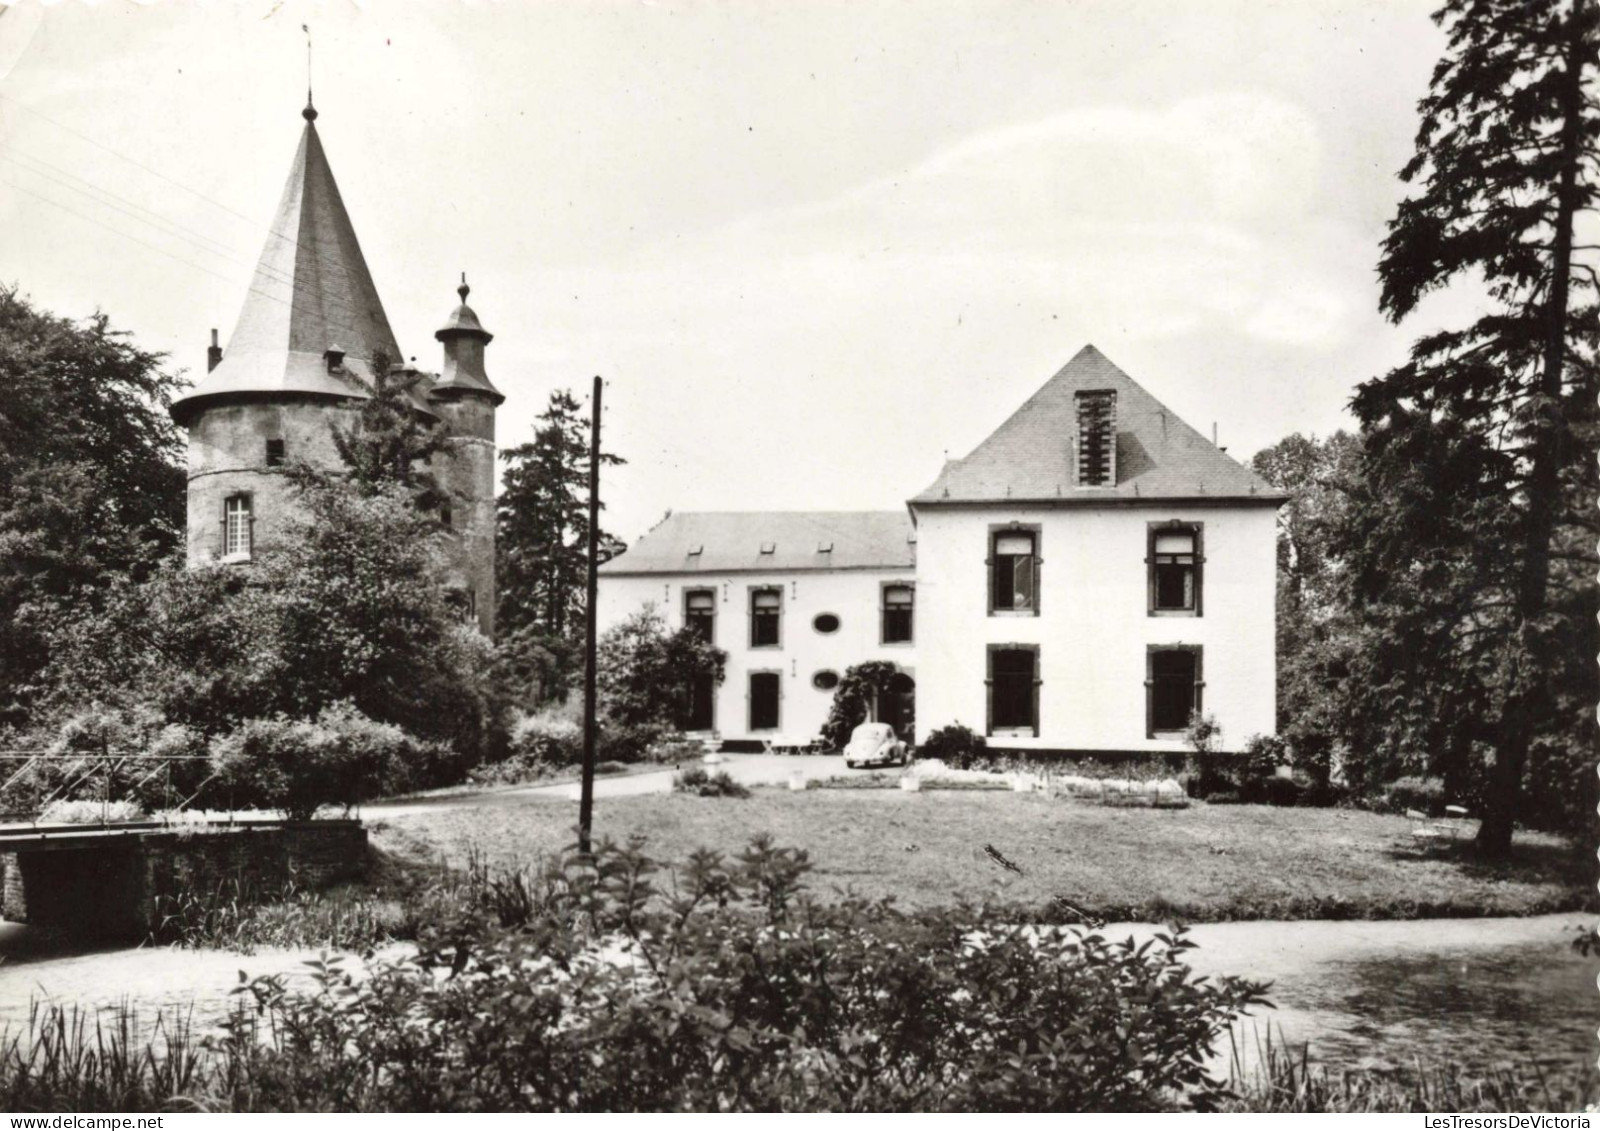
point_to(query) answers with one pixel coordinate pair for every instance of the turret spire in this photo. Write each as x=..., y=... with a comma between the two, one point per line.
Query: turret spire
x=311, y=291
x=310, y=112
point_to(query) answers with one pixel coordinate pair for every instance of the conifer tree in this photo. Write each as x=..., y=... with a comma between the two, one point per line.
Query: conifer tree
x=542, y=541
x=1478, y=532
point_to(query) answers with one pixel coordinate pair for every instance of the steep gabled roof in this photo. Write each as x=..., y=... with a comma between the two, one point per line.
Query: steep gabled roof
x=311, y=292
x=732, y=541
x=1029, y=458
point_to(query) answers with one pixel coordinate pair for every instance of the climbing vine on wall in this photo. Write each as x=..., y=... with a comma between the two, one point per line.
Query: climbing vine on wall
x=862, y=685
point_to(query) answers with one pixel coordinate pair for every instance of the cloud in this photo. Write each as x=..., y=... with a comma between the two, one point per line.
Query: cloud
x=1203, y=213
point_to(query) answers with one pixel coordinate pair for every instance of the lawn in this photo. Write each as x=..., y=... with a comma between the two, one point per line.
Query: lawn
x=1206, y=863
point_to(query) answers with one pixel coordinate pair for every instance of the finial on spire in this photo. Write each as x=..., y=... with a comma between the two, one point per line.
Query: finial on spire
x=463, y=290
x=310, y=112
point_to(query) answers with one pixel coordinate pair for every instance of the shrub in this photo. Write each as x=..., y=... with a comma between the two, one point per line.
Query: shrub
x=697, y=781
x=297, y=766
x=954, y=745
x=551, y=737
x=1272, y=791
x=629, y=742
x=157, y=765
x=1424, y=794
x=1262, y=755
x=1203, y=733
x=88, y=812
x=598, y=984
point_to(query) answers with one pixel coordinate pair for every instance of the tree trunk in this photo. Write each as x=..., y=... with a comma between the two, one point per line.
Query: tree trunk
x=1524, y=704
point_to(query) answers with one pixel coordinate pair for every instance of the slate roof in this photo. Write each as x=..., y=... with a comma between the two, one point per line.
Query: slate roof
x=1029, y=458
x=311, y=291
x=731, y=541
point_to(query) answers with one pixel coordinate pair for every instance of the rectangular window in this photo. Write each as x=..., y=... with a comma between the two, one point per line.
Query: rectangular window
x=1172, y=688
x=899, y=602
x=236, y=527
x=700, y=613
x=1014, y=571
x=764, y=696
x=1175, y=562
x=274, y=453
x=1013, y=689
x=766, y=610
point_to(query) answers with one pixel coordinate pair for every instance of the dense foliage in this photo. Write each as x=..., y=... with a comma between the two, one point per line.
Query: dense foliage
x=592, y=985
x=859, y=691
x=1473, y=538
x=954, y=745
x=645, y=671
x=91, y=481
x=296, y=766
x=350, y=608
x=542, y=545
x=391, y=443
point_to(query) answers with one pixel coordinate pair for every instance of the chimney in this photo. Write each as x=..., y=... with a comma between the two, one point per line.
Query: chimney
x=213, y=352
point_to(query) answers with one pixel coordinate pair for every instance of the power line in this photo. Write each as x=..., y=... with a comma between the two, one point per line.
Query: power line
x=168, y=227
x=159, y=250
x=254, y=223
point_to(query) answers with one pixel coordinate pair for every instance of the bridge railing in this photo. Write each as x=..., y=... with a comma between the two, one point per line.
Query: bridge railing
x=86, y=766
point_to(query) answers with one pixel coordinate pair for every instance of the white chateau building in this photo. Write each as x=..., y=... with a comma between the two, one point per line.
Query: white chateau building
x=1093, y=573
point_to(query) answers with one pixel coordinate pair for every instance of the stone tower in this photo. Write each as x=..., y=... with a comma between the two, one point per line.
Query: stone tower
x=310, y=326
x=465, y=401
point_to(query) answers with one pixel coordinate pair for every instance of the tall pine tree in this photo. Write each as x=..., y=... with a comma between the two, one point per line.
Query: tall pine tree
x=542, y=542
x=1478, y=534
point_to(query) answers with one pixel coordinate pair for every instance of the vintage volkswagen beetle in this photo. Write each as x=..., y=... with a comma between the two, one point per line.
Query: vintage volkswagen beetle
x=874, y=744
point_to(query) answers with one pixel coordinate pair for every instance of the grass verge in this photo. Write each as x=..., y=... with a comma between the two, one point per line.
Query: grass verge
x=1202, y=864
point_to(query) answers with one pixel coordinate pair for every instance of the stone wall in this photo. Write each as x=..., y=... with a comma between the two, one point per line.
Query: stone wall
x=121, y=889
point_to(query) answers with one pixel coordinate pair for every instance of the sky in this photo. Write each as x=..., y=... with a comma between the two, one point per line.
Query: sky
x=813, y=247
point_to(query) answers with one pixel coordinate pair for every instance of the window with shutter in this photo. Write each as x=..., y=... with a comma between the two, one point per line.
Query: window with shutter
x=700, y=613
x=1014, y=689
x=1172, y=687
x=766, y=612
x=899, y=603
x=1175, y=569
x=1014, y=571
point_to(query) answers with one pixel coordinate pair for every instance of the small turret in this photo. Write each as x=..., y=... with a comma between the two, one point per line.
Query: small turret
x=465, y=400
x=464, y=339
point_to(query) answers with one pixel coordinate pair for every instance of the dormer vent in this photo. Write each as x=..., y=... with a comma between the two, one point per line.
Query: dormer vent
x=334, y=357
x=769, y=547
x=696, y=551
x=1097, y=437
x=824, y=547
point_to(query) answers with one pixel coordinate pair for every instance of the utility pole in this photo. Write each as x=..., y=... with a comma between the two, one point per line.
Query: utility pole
x=586, y=790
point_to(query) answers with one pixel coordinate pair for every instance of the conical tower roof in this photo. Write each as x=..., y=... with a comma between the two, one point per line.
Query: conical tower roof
x=311, y=293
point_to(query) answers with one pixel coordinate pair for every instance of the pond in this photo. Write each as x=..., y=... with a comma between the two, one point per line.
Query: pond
x=1365, y=995
x=1474, y=992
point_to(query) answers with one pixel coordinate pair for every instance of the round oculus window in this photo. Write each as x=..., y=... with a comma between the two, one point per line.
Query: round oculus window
x=825, y=623
x=825, y=680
